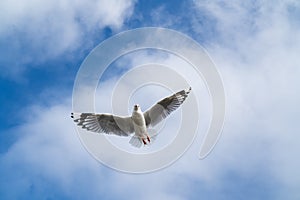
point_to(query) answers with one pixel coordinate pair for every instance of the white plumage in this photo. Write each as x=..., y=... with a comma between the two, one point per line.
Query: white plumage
x=137, y=125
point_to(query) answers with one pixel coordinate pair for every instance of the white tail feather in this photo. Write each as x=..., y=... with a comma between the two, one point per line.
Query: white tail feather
x=137, y=142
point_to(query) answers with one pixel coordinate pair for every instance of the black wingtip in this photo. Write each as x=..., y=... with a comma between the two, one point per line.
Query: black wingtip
x=188, y=90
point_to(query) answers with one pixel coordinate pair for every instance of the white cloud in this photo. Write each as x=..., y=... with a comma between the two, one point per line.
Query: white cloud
x=257, y=57
x=51, y=150
x=34, y=31
x=260, y=72
x=48, y=149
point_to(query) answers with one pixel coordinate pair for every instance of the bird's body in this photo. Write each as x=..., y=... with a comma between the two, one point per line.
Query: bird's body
x=138, y=123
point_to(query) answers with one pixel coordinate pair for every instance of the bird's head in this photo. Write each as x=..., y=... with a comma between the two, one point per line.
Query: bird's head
x=136, y=107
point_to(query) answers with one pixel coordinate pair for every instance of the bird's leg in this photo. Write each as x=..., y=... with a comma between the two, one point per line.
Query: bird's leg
x=148, y=138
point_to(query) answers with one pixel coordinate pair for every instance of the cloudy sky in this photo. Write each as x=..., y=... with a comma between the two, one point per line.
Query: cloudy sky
x=255, y=46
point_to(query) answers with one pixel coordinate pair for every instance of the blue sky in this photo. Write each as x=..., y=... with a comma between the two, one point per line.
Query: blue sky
x=255, y=46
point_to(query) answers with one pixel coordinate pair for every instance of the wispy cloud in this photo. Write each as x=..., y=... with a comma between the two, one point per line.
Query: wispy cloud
x=256, y=53
x=33, y=32
x=255, y=49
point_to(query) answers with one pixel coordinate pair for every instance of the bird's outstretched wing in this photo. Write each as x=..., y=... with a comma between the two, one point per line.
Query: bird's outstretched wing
x=104, y=123
x=163, y=108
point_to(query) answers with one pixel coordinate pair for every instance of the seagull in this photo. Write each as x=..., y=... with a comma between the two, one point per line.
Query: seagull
x=137, y=125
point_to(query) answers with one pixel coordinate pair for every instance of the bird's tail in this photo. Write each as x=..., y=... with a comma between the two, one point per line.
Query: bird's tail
x=136, y=141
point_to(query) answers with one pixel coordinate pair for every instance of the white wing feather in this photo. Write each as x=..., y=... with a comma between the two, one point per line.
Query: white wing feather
x=163, y=108
x=104, y=123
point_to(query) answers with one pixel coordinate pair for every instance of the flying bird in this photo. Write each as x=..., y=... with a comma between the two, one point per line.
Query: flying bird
x=137, y=125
